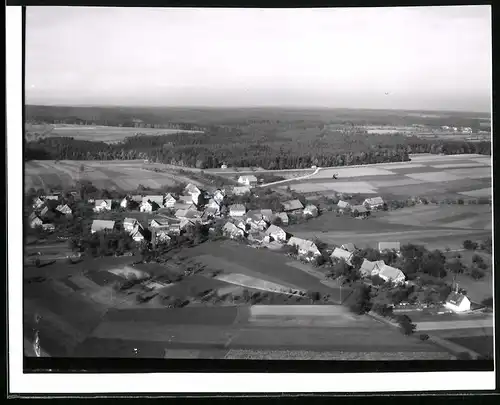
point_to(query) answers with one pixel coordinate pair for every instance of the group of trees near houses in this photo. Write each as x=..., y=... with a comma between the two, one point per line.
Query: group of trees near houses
x=246, y=147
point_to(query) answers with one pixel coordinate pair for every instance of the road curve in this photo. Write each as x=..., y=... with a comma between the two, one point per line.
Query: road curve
x=292, y=179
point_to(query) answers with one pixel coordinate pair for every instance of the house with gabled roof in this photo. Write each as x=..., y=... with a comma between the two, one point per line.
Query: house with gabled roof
x=369, y=268
x=161, y=235
x=64, y=209
x=391, y=246
x=457, y=302
x=311, y=210
x=350, y=247
x=130, y=223
x=219, y=195
x=102, y=205
x=276, y=233
x=390, y=274
x=341, y=254
x=240, y=190
x=283, y=216
x=34, y=220
x=102, y=225
x=138, y=233
x=158, y=222
x=192, y=191
x=38, y=203
x=124, y=203
x=169, y=201
x=247, y=180
x=359, y=211
x=237, y=210
x=292, y=205
x=343, y=205
x=304, y=247
x=374, y=203
x=151, y=203
x=232, y=231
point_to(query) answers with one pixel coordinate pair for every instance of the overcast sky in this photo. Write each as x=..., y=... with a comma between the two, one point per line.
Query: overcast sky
x=426, y=58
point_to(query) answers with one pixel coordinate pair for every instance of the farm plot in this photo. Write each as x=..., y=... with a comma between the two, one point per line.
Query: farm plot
x=433, y=177
x=457, y=165
x=252, y=282
x=342, y=187
x=352, y=172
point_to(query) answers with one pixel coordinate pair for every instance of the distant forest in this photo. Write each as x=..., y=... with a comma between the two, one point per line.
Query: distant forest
x=283, y=142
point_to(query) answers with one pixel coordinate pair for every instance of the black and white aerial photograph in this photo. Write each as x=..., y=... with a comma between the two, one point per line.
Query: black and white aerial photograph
x=258, y=184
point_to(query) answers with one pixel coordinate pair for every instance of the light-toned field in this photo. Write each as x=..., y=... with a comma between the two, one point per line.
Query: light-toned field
x=120, y=175
x=351, y=187
x=96, y=133
x=352, y=172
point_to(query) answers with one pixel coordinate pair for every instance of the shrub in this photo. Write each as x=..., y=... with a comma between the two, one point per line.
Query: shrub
x=424, y=336
x=404, y=322
x=476, y=273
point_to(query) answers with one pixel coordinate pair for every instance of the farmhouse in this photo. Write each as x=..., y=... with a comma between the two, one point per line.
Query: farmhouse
x=232, y=231
x=138, y=234
x=102, y=225
x=276, y=233
x=267, y=215
x=169, y=201
x=305, y=247
x=292, y=205
x=341, y=254
x=219, y=195
x=283, y=216
x=158, y=222
x=241, y=190
x=374, y=203
x=64, y=209
x=388, y=273
x=311, y=210
x=237, y=210
x=383, y=246
x=343, y=205
x=35, y=220
x=350, y=247
x=48, y=227
x=457, y=302
x=368, y=268
x=359, y=211
x=102, y=205
x=193, y=191
x=129, y=224
x=247, y=180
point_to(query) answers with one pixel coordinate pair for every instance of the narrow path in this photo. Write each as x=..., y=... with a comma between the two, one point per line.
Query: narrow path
x=292, y=179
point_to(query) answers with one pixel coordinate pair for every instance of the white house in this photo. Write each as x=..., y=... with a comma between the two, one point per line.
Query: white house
x=388, y=273
x=193, y=191
x=158, y=222
x=241, y=190
x=305, y=247
x=35, y=220
x=151, y=203
x=276, y=233
x=223, y=166
x=457, y=302
x=292, y=205
x=64, y=209
x=343, y=205
x=369, y=268
x=169, y=201
x=137, y=233
x=247, y=180
x=102, y=225
x=102, y=205
x=374, y=203
x=341, y=254
x=384, y=246
x=445, y=127
x=311, y=210
x=129, y=224
x=237, y=210
x=350, y=247
x=232, y=231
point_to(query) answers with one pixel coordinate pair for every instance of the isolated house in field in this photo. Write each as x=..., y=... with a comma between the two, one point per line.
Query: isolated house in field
x=129, y=224
x=64, y=209
x=169, y=201
x=192, y=191
x=384, y=246
x=292, y=206
x=369, y=268
x=311, y=210
x=102, y=225
x=38, y=203
x=457, y=302
x=248, y=180
x=138, y=233
x=283, y=216
x=343, y=205
x=304, y=247
x=102, y=205
x=48, y=227
x=341, y=254
x=232, y=231
x=350, y=247
x=34, y=220
x=388, y=273
x=237, y=210
x=359, y=211
x=374, y=203
x=276, y=233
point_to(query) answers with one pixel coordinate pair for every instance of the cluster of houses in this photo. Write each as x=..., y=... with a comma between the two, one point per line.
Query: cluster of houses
x=361, y=210
x=42, y=214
